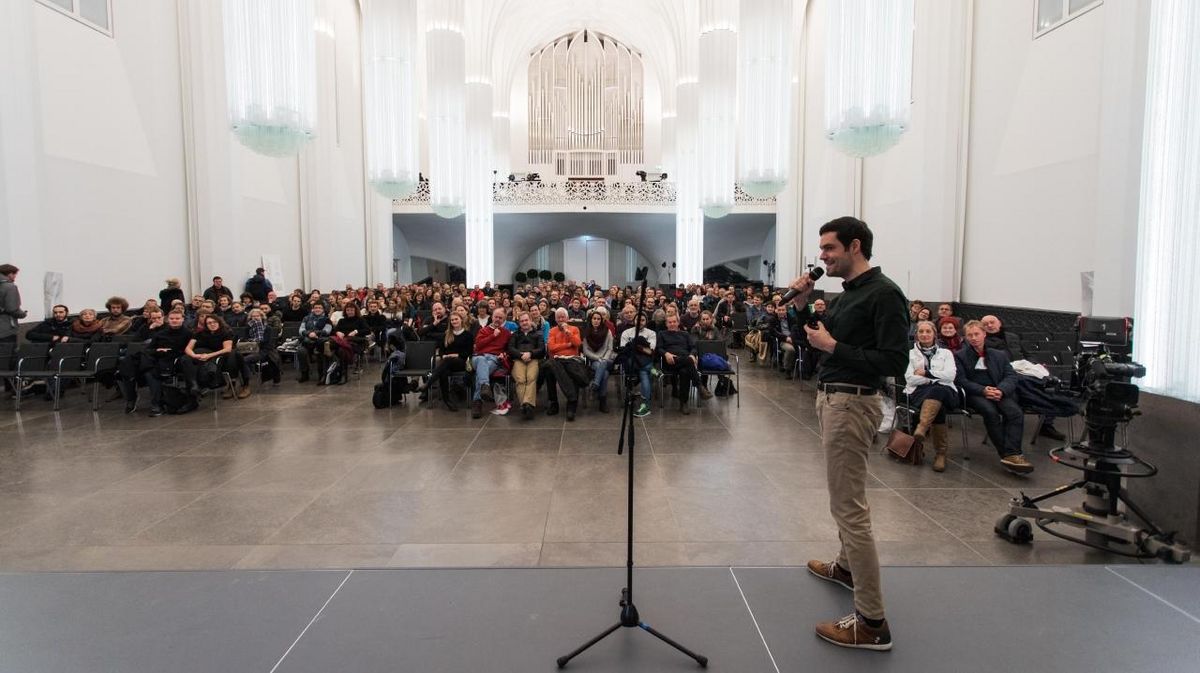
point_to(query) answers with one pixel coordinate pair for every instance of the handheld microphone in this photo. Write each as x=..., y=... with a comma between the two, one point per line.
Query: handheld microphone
x=815, y=273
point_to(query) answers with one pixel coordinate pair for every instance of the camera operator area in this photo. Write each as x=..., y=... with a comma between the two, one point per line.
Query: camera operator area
x=621, y=335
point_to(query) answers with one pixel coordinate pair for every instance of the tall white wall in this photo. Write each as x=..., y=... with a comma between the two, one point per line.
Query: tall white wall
x=1034, y=153
x=113, y=202
x=142, y=180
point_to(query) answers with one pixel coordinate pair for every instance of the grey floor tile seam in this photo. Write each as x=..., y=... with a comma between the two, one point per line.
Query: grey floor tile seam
x=787, y=413
x=1160, y=599
x=213, y=489
x=935, y=521
x=312, y=621
x=754, y=619
x=654, y=457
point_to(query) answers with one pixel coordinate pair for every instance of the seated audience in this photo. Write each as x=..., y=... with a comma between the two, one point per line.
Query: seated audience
x=215, y=343
x=491, y=341
x=117, y=321
x=1000, y=339
x=641, y=359
x=296, y=309
x=236, y=316
x=86, y=327
x=453, y=351
x=164, y=356
x=314, y=332
x=599, y=353
x=988, y=378
x=930, y=387
x=945, y=310
x=53, y=330
x=526, y=348
x=678, y=351
x=949, y=335
x=786, y=332
x=565, y=368
x=260, y=333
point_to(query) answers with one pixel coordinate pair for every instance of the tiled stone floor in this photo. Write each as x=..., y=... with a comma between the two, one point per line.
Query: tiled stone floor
x=307, y=477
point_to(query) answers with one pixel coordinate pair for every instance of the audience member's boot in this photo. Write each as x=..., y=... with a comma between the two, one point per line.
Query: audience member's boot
x=704, y=391
x=476, y=408
x=448, y=404
x=683, y=407
x=552, y=409
x=929, y=411
x=244, y=392
x=131, y=405
x=603, y=405
x=941, y=445
x=527, y=411
x=1049, y=431
x=572, y=405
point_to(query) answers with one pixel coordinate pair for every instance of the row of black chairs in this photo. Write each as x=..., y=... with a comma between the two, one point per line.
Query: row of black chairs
x=70, y=361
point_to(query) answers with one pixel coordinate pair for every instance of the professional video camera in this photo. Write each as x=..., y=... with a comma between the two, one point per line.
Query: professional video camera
x=1102, y=379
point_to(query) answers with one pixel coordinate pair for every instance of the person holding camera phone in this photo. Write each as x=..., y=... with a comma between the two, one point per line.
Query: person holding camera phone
x=862, y=340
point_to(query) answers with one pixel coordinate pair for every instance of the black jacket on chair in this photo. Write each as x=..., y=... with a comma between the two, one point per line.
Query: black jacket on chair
x=998, y=367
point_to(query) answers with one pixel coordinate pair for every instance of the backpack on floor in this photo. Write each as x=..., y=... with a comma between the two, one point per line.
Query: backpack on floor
x=334, y=374
x=176, y=401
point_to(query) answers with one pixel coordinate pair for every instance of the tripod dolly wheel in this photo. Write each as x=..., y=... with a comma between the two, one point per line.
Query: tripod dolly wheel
x=1014, y=529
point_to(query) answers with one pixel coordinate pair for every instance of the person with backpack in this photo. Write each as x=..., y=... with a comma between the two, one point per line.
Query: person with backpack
x=259, y=285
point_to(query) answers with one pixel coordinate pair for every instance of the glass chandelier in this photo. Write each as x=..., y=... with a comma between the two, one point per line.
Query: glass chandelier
x=868, y=74
x=764, y=95
x=270, y=70
x=718, y=105
x=390, y=78
x=446, y=61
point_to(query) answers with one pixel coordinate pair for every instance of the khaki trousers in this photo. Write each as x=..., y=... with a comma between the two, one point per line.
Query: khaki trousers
x=525, y=376
x=848, y=424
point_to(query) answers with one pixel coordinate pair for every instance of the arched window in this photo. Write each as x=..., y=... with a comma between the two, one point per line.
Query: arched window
x=585, y=106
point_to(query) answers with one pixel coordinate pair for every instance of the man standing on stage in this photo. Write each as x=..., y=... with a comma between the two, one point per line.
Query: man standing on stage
x=863, y=339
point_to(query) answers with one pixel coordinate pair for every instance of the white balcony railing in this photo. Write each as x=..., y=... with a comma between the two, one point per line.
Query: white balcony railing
x=583, y=192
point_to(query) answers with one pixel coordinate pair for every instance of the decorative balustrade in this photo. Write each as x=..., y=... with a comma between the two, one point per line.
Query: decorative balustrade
x=583, y=191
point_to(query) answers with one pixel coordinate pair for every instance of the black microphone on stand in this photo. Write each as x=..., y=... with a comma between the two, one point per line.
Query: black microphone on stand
x=815, y=273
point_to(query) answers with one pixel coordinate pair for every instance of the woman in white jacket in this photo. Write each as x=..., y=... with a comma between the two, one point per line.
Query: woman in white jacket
x=930, y=387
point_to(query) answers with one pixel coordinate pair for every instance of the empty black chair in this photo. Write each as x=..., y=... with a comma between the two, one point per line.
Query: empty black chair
x=102, y=358
x=418, y=358
x=62, y=357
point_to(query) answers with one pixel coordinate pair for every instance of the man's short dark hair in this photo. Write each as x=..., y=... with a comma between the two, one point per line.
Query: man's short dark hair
x=216, y=278
x=849, y=228
x=8, y=269
x=62, y=306
x=260, y=271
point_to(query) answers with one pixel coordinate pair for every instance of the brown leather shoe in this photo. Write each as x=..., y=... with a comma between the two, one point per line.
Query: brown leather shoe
x=832, y=572
x=243, y=393
x=852, y=631
x=1017, y=463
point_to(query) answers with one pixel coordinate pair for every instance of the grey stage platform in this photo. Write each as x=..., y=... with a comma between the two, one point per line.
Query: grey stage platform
x=1044, y=618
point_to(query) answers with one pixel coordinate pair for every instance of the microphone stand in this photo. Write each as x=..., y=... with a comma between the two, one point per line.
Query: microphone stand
x=629, y=614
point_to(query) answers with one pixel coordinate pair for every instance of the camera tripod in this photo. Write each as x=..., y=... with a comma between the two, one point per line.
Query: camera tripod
x=1105, y=526
x=629, y=617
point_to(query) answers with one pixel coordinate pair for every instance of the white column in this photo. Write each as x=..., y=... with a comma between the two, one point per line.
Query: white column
x=689, y=219
x=21, y=226
x=789, y=204
x=478, y=185
x=210, y=171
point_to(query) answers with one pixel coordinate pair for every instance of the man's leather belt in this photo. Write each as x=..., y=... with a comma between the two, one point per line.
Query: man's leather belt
x=845, y=388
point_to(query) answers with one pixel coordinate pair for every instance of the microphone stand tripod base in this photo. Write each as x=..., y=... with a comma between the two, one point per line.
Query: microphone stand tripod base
x=629, y=613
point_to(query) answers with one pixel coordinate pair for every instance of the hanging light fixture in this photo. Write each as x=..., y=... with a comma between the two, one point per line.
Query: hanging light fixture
x=270, y=70
x=868, y=74
x=764, y=95
x=718, y=105
x=390, y=78
x=446, y=59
